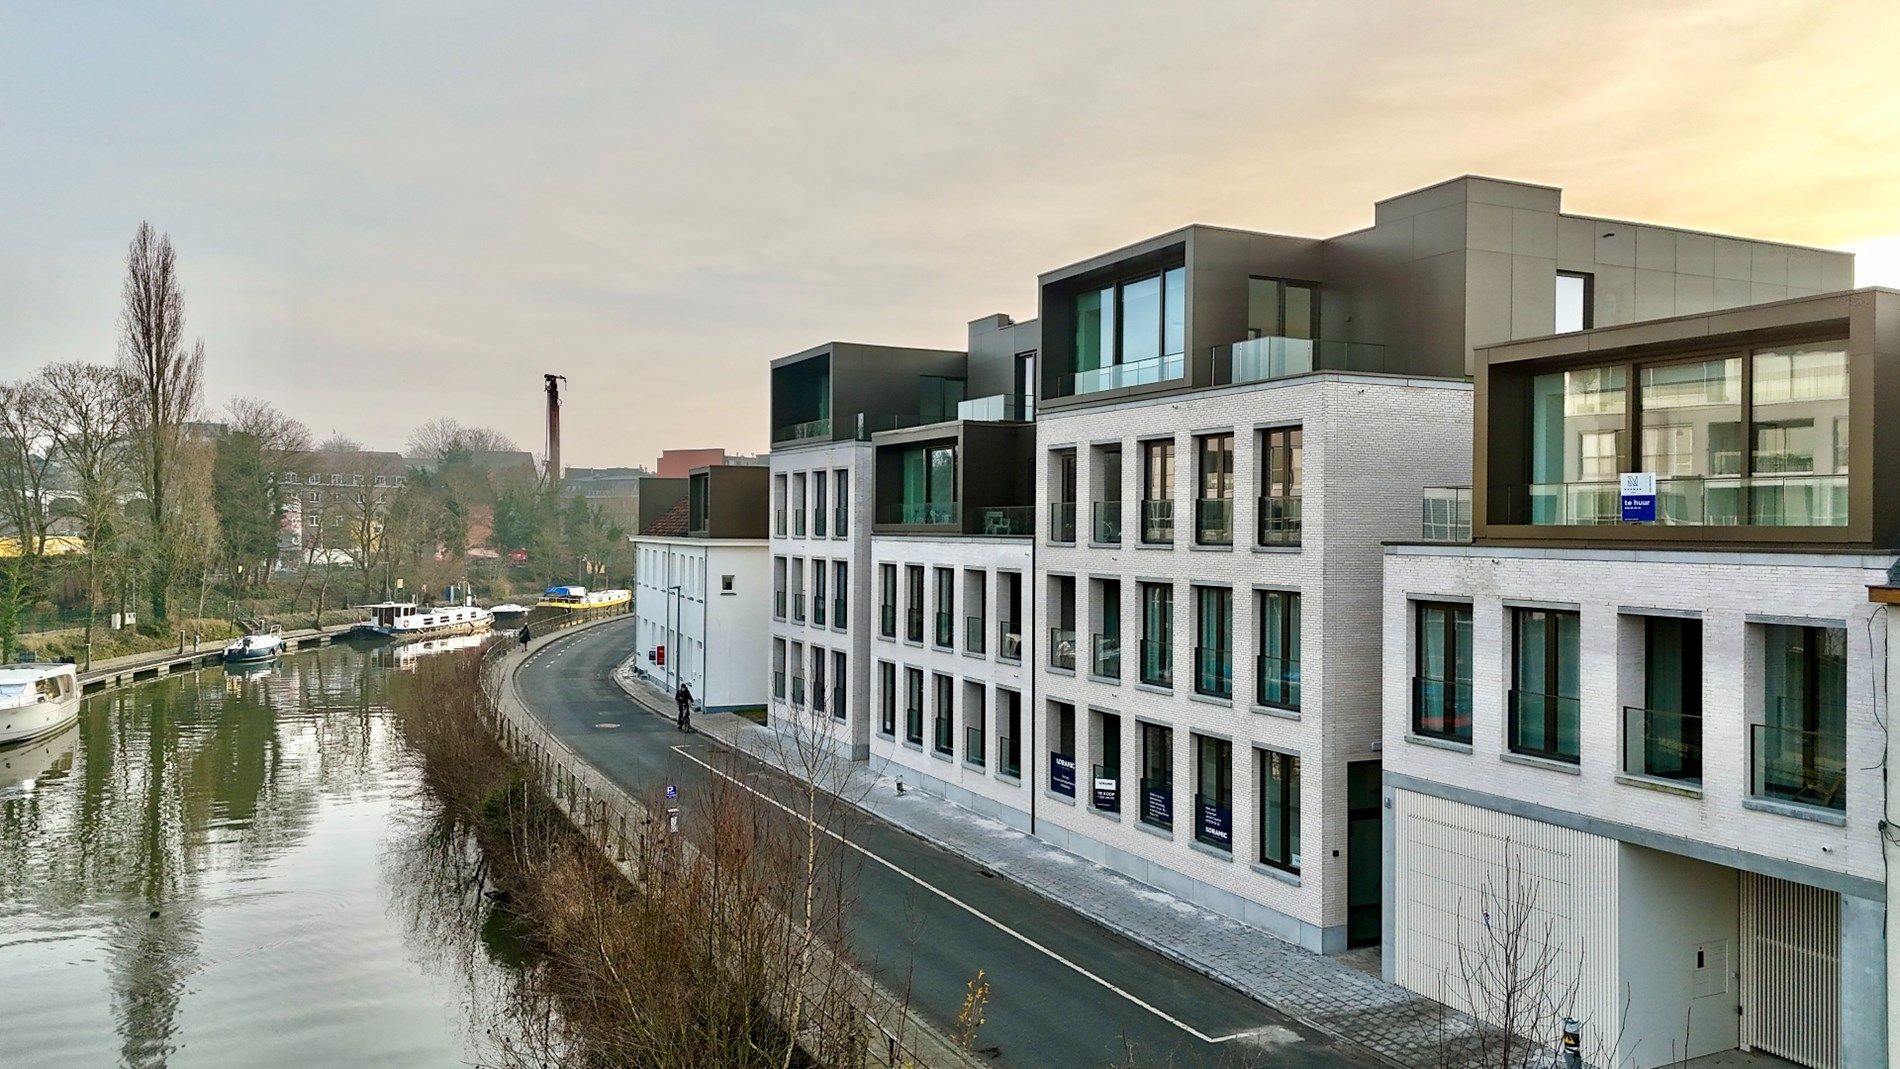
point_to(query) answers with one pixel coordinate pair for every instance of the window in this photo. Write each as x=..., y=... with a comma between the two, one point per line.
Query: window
x=1157, y=491
x=839, y=599
x=1277, y=679
x=1106, y=781
x=819, y=570
x=1441, y=684
x=838, y=679
x=1214, y=641
x=946, y=616
x=1799, y=423
x=914, y=603
x=726, y=584
x=975, y=598
x=1544, y=684
x=887, y=698
x=1009, y=733
x=819, y=695
x=1277, y=308
x=1062, y=499
x=818, y=504
x=840, y=503
x=1282, y=484
x=1131, y=333
x=1663, y=738
x=1062, y=622
x=914, y=705
x=1576, y=422
x=779, y=581
x=975, y=743
x=1576, y=302
x=1062, y=748
x=1157, y=775
x=929, y=488
x=1157, y=634
x=778, y=506
x=798, y=505
x=1105, y=646
x=795, y=568
x=1009, y=626
x=1214, y=792
x=1279, y=786
x=1798, y=753
x=1214, y=510
x=778, y=669
x=946, y=713
x=887, y=600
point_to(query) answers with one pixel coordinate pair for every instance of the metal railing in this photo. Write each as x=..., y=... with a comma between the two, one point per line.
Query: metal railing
x=778, y=685
x=778, y=523
x=798, y=691
x=1441, y=708
x=778, y=604
x=1278, y=523
x=1544, y=725
x=1062, y=648
x=975, y=635
x=840, y=522
x=1107, y=528
x=1277, y=681
x=1120, y=376
x=1214, y=521
x=818, y=610
x=1157, y=663
x=1157, y=522
x=1105, y=656
x=1214, y=671
x=1793, y=765
x=945, y=733
x=818, y=522
x=838, y=617
x=1445, y=514
x=837, y=703
x=798, y=606
x=1061, y=521
x=1662, y=744
x=1009, y=756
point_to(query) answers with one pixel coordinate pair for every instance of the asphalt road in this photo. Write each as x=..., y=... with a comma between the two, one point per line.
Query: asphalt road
x=1063, y=990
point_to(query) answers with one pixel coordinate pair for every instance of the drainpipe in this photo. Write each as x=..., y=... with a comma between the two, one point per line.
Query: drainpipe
x=1887, y=596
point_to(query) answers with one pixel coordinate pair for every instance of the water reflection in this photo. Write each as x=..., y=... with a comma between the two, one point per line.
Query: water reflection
x=234, y=868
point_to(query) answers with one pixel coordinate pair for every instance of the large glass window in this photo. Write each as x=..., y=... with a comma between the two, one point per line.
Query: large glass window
x=1157, y=491
x=1214, y=641
x=1277, y=681
x=914, y=705
x=944, y=737
x=930, y=485
x=946, y=616
x=1141, y=320
x=1157, y=775
x=914, y=602
x=1692, y=439
x=1279, y=785
x=1009, y=733
x=1282, y=483
x=1441, y=689
x=1094, y=329
x=1576, y=438
x=1545, y=684
x=1280, y=309
x=1157, y=634
x=1663, y=738
x=1798, y=752
x=1214, y=510
x=1131, y=334
x=887, y=600
x=1800, y=436
x=1575, y=295
x=1214, y=792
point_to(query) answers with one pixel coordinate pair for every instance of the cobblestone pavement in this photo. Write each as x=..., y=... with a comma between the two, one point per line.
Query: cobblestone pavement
x=1343, y=998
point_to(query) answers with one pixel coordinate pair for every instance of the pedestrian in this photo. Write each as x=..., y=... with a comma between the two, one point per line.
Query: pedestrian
x=525, y=636
x=685, y=700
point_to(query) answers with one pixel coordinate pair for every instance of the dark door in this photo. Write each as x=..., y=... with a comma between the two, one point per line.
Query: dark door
x=1365, y=850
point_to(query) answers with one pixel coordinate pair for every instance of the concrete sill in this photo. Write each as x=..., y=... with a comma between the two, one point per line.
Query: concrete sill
x=975, y=766
x=1069, y=544
x=1209, y=699
x=909, y=745
x=1200, y=847
x=976, y=655
x=944, y=757
x=1541, y=762
x=1105, y=545
x=886, y=638
x=1152, y=689
x=1291, y=878
x=1164, y=546
x=1159, y=833
x=943, y=649
x=1055, y=797
x=1663, y=786
x=1198, y=548
x=1105, y=814
x=1796, y=810
x=1006, y=778
x=915, y=645
x=1274, y=710
x=1055, y=670
x=1017, y=661
x=1107, y=681
x=1441, y=744
x=1278, y=549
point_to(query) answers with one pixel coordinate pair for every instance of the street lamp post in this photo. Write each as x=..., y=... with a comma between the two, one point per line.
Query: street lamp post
x=673, y=636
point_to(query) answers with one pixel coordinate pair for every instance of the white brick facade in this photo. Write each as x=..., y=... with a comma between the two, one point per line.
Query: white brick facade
x=714, y=624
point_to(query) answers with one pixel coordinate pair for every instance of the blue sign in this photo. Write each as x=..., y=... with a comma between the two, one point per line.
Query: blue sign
x=1108, y=794
x=1639, y=497
x=1062, y=773
x=1157, y=804
x=672, y=792
x=1217, y=824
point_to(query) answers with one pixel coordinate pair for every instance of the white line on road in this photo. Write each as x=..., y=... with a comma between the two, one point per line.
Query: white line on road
x=974, y=912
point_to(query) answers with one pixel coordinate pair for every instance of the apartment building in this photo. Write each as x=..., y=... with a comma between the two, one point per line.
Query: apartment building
x=1662, y=704
x=700, y=592
x=826, y=404
x=953, y=514
x=344, y=490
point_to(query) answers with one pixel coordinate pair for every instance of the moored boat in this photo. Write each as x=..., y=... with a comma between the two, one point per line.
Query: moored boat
x=256, y=646
x=36, y=699
x=405, y=621
x=581, y=599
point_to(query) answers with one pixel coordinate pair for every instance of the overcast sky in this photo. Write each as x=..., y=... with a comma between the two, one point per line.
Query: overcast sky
x=386, y=212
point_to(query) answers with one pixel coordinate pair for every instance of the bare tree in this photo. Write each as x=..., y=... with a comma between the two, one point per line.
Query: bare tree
x=338, y=443
x=26, y=460
x=442, y=436
x=166, y=380
x=91, y=406
x=250, y=486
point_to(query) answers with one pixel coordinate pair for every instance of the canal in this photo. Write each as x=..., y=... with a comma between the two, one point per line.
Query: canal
x=240, y=869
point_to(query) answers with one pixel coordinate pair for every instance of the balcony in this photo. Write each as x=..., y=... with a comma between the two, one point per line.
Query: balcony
x=1062, y=648
x=1544, y=725
x=1441, y=708
x=1004, y=521
x=1662, y=744
x=975, y=635
x=1105, y=656
x=1214, y=521
x=1062, y=521
x=1214, y=671
x=1107, y=528
x=1122, y=376
x=1802, y=767
x=918, y=513
x=887, y=620
x=973, y=745
x=914, y=625
x=1277, y=682
x=1157, y=522
x=1714, y=501
x=1264, y=359
x=1157, y=663
x=798, y=432
x=1445, y=514
x=946, y=635
x=996, y=408
x=1278, y=522
x=1010, y=641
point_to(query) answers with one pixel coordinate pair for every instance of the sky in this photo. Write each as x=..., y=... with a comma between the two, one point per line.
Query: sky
x=388, y=212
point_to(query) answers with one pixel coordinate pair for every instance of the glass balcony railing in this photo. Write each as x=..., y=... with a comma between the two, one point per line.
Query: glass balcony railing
x=887, y=621
x=1157, y=663
x=1009, y=644
x=798, y=691
x=798, y=523
x=1003, y=521
x=818, y=696
x=838, y=617
x=1214, y=671
x=946, y=635
x=1262, y=359
x=869, y=424
x=837, y=703
x=1157, y=522
x=1105, y=656
x=778, y=685
x=1279, y=520
x=1062, y=648
x=778, y=604
x=1441, y=708
x=778, y=523
x=975, y=634
x=1713, y=501
x=1803, y=767
x=914, y=624
x=918, y=513
x=818, y=521
x=1214, y=521
x=1107, y=528
x=1445, y=514
x=1662, y=744
x=1277, y=682
x=1061, y=521
x=1121, y=376
x=1544, y=725
x=973, y=745
x=839, y=525
x=1009, y=756
x=816, y=428
x=996, y=408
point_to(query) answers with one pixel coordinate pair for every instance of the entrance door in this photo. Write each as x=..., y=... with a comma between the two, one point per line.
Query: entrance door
x=1364, y=853
x=1791, y=970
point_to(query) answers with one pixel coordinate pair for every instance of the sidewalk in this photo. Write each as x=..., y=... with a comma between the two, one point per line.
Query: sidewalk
x=1327, y=993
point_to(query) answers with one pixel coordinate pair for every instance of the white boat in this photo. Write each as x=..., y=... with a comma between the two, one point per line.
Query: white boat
x=405, y=656
x=508, y=608
x=256, y=646
x=36, y=699
x=405, y=620
x=581, y=599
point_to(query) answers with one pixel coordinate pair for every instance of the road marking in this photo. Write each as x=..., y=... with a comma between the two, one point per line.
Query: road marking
x=974, y=912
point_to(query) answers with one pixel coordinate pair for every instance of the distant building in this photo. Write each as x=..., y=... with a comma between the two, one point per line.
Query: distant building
x=343, y=488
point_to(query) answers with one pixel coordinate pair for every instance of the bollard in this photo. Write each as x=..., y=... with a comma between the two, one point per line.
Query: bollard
x=1573, y=1044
